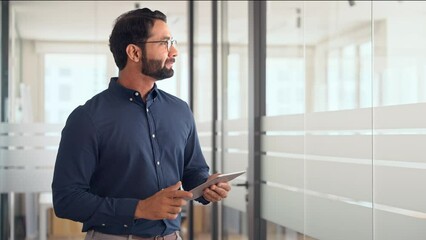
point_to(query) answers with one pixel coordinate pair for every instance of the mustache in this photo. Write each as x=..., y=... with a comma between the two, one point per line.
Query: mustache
x=171, y=60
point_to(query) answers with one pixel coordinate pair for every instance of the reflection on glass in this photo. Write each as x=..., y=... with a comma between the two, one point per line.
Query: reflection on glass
x=399, y=120
x=65, y=74
x=285, y=85
x=282, y=166
x=338, y=176
x=235, y=112
x=202, y=108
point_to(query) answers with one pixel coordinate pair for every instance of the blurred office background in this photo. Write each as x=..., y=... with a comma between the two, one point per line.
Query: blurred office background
x=322, y=102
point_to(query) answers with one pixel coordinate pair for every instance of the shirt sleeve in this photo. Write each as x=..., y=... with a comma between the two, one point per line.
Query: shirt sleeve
x=196, y=170
x=75, y=164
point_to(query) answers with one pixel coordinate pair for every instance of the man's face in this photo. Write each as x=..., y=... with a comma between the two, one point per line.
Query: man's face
x=157, y=60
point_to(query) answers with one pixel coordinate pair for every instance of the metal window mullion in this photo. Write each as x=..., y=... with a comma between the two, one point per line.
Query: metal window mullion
x=257, y=76
x=215, y=208
x=191, y=98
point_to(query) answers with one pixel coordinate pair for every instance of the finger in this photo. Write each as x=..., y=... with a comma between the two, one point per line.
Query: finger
x=174, y=210
x=178, y=202
x=220, y=191
x=224, y=185
x=212, y=195
x=180, y=194
x=213, y=176
x=171, y=216
x=174, y=187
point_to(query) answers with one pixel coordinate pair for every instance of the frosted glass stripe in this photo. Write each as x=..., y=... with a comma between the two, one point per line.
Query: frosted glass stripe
x=285, y=171
x=29, y=141
x=283, y=207
x=26, y=180
x=30, y=128
x=218, y=125
x=288, y=144
x=235, y=125
x=368, y=204
x=400, y=116
x=400, y=147
x=356, y=146
x=377, y=162
x=236, y=142
x=218, y=141
x=26, y=155
x=234, y=162
x=283, y=123
x=391, y=226
x=205, y=141
x=236, y=198
x=352, y=181
x=340, y=120
x=389, y=117
x=405, y=191
x=204, y=126
x=333, y=220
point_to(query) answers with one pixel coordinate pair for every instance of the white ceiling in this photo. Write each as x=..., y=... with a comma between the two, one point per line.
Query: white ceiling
x=86, y=20
x=93, y=20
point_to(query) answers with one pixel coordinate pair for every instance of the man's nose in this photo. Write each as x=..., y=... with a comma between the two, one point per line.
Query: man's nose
x=173, y=51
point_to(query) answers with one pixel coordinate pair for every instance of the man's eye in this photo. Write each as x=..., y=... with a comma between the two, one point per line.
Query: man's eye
x=164, y=43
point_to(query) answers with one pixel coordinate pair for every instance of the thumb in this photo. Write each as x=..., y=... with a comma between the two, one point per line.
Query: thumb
x=176, y=186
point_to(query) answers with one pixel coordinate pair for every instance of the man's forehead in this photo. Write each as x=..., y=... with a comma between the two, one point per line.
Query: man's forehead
x=160, y=30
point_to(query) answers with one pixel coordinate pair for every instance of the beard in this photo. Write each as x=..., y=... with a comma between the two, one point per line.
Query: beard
x=154, y=68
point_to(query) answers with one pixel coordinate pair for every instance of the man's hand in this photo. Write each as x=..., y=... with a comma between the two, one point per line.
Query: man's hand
x=165, y=204
x=216, y=192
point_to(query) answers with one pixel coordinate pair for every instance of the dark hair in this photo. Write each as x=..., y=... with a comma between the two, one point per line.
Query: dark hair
x=131, y=27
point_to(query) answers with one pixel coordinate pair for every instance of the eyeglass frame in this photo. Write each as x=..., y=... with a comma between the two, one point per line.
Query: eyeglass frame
x=170, y=42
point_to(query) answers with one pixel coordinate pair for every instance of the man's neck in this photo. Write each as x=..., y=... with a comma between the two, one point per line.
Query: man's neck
x=138, y=82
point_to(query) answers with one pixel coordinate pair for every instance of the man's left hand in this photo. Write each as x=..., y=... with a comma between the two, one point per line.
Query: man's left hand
x=216, y=192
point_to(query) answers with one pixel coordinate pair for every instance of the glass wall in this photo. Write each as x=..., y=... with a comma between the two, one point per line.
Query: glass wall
x=342, y=144
x=203, y=104
x=342, y=137
x=399, y=92
x=234, y=63
x=282, y=161
x=60, y=58
x=338, y=143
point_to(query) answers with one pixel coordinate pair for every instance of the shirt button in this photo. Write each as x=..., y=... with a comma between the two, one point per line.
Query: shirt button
x=147, y=110
x=103, y=224
x=131, y=99
x=136, y=94
x=153, y=135
x=125, y=225
x=158, y=163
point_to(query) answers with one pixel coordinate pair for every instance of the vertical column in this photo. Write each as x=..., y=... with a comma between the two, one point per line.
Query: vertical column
x=257, y=76
x=4, y=58
x=215, y=209
x=191, y=98
x=4, y=86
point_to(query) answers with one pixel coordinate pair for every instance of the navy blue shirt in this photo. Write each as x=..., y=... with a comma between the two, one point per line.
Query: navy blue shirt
x=117, y=149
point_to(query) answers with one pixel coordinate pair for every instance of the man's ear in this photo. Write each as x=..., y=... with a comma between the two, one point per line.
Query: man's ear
x=134, y=53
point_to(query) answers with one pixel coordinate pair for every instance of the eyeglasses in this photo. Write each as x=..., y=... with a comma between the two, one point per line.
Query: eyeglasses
x=169, y=43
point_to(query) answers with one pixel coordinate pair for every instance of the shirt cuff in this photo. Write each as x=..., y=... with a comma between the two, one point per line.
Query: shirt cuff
x=126, y=208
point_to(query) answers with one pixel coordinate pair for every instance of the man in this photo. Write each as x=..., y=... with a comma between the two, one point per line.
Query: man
x=124, y=154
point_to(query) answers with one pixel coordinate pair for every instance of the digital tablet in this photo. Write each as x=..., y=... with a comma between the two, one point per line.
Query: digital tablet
x=198, y=190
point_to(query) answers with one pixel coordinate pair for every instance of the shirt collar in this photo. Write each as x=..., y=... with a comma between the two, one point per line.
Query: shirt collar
x=130, y=94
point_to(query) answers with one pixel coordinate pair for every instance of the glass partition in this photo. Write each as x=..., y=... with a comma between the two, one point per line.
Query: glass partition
x=399, y=120
x=203, y=104
x=234, y=113
x=282, y=200
x=60, y=58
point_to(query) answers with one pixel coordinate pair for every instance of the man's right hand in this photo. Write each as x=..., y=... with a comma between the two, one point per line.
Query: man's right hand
x=165, y=204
